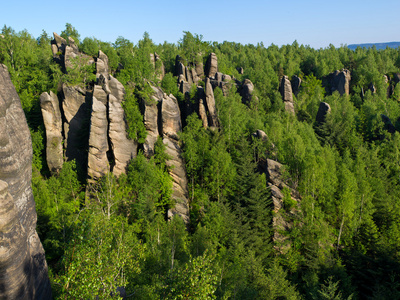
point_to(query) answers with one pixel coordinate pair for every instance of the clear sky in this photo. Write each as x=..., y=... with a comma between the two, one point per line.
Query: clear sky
x=310, y=22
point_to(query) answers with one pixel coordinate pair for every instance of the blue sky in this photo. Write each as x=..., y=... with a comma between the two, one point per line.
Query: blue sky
x=310, y=22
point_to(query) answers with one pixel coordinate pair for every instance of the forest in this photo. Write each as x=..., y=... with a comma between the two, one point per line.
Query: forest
x=336, y=231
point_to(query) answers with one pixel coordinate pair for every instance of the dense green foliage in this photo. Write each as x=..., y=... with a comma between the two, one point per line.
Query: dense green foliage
x=344, y=242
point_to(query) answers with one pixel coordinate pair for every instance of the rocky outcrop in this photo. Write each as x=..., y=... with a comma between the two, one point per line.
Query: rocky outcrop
x=211, y=65
x=287, y=96
x=158, y=65
x=52, y=121
x=23, y=268
x=340, y=81
x=323, y=110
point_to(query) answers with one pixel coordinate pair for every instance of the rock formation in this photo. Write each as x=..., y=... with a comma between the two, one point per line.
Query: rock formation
x=286, y=92
x=171, y=125
x=247, y=91
x=296, y=83
x=211, y=65
x=274, y=171
x=210, y=102
x=340, y=81
x=150, y=119
x=52, y=121
x=323, y=110
x=23, y=273
x=92, y=117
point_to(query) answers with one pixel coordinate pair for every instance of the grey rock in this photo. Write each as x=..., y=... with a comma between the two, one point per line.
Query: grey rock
x=171, y=117
x=199, y=68
x=286, y=89
x=240, y=70
x=52, y=121
x=23, y=265
x=323, y=110
x=123, y=148
x=247, y=91
x=296, y=83
x=388, y=124
x=150, y=119
x=341, y=81
x=102, y=65
x=98, y=141
x=210, y=102
x=211, y=65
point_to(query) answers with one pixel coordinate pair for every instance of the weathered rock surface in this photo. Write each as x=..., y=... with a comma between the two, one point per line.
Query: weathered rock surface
x=247, y=91
x=323, y=110
x=23, y=268
x=211, y=65
x=171, y=125
x=76, y=113
x=98, y=164
x=52, y=121
x=123, y=149
x=276, y=182
x=150, y=118
x=287, y=96
x=210, y=103
x=340, y=81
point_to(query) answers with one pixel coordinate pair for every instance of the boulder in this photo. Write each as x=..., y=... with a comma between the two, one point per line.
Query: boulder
x=53, y=124
x=240, y=70
x=199, y=68
x=24, y=272
x=389, y=127
x=102, y=65
x=211, y=65
x=98, y=164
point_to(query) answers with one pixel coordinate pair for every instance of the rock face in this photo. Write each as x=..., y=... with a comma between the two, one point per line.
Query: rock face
x=287, y=96
x=52, y=121
x=23, y=271
x=340, y=81
x=323, y=110
x=211, y=65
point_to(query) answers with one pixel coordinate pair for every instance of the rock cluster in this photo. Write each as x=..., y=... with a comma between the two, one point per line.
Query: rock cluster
x=23, y=266
x=90, y=121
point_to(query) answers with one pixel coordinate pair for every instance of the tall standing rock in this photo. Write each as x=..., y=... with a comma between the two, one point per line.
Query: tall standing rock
x=211, y=65
x=98, y=142
x=23, y=267
x=171, y=125
x=340, y=81
x=52, y=121
x=210, y=102
x=296, y=83
x=323, y=110
x=150, y=118
x=123, y=148
x=247, y=91
x=287, y=96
